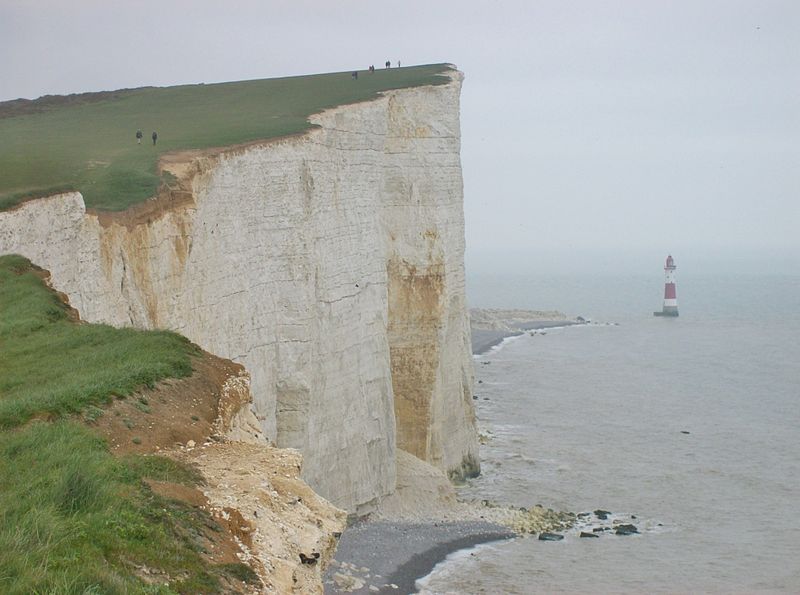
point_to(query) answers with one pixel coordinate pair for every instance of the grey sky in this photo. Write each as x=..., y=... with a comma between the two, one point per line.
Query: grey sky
x=593, y=132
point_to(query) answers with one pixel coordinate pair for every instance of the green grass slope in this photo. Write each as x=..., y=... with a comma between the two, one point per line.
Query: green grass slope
x=90, y=146
x=74, y=518
x=50, y=365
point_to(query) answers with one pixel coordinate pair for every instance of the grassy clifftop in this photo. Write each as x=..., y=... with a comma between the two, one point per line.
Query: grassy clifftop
x=87, y=142
x=75, y=517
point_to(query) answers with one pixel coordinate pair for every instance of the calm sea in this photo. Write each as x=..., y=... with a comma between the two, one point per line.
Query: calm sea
x=593, y=417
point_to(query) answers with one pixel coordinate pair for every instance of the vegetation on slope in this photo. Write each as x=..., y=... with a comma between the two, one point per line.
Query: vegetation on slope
x=50, y=365
x=90, y=145
x=73, y=517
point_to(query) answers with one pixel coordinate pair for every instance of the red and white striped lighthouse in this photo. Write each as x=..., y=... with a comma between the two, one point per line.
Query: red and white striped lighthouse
x=670, y=297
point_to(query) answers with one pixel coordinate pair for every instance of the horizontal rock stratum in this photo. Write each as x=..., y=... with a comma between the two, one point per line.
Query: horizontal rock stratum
x=329, y=264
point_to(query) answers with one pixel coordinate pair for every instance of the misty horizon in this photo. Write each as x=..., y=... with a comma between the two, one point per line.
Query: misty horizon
x=591, y=132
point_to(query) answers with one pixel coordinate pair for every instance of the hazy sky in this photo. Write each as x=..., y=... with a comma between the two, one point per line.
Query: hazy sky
x=595, y=133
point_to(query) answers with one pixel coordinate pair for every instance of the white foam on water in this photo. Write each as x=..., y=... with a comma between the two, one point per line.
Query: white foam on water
x=442, y=569
x=495, y=348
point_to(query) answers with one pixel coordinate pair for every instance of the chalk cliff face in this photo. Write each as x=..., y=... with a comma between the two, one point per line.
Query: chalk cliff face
x=329, y=264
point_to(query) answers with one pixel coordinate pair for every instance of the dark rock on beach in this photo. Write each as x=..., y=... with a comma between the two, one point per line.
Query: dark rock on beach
x=626, y=529
x=601, y=514
x=585, y=534
x=550, y=537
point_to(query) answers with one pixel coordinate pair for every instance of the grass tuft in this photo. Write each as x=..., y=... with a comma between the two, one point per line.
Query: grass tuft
x=241, y=572
x=91, y=414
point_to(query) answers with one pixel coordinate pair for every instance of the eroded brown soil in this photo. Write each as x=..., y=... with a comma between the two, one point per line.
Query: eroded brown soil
x=251, y=490
x=172, y=414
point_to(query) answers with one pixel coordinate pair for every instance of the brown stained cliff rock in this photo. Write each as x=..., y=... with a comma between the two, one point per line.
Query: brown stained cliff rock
x=415, y=318
x=127, y=236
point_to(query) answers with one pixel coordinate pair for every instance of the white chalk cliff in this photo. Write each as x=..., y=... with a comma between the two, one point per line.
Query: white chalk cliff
x=329, y=264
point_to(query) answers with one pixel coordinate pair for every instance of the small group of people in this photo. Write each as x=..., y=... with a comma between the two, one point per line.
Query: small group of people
x=354, y=74
x=139, y=136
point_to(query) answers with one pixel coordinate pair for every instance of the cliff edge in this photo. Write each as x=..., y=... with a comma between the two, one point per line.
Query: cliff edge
x=329, y=264
x=132, y=463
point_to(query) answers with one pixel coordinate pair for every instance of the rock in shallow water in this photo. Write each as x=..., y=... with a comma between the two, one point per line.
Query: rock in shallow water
x=601, y=514
x=585, y=534
x=550, y=537
x=626, y=529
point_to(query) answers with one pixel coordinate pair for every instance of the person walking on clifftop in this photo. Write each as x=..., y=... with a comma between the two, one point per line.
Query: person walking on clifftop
x=139, y=137
x=155, y=137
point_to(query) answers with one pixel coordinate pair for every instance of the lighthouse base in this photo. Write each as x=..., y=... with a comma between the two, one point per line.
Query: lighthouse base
x=667, y=311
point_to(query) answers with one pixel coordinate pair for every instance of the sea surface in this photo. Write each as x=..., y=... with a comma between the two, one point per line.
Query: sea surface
x=594, y=416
